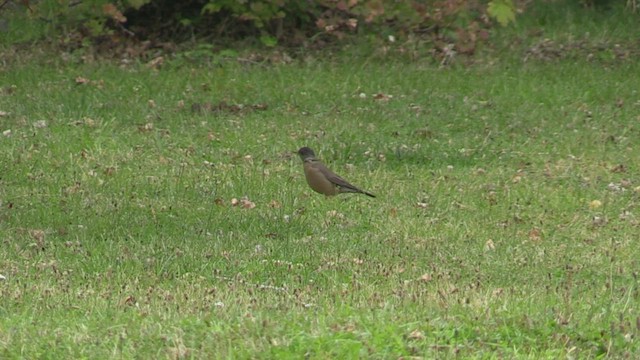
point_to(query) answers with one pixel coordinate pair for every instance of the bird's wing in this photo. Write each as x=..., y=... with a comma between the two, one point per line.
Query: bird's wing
x=335, y=178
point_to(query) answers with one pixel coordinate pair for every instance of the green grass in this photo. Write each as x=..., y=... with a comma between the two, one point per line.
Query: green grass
x=505, y=225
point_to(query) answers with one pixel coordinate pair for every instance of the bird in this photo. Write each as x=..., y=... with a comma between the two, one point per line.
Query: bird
x=323, y=180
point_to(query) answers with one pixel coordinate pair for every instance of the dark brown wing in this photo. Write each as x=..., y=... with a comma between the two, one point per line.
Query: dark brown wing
x=340, y=182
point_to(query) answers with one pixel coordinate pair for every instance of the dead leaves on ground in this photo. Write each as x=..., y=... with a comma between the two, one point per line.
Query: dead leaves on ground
x=547, y=50
x=224, y=107
x=79, y=80
x=243, y=203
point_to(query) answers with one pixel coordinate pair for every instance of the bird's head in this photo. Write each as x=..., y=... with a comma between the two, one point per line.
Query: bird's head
x=306, y=153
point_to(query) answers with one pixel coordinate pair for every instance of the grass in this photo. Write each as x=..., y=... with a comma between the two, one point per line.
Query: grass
x=505, y=224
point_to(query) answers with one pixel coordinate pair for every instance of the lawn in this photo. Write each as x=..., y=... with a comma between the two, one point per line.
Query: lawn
x=161, y=212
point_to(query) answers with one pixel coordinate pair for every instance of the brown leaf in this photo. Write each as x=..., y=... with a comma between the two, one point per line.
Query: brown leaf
x=422, y=205
x=352, y=23
x=155, y=62
x=113, y=12
x=38, y=235
x=382, y=97
x=80, y=80
x=178, y=352
x=489, y=245
x=620, y=168
x=245, y=203
x=40, y=124
x=146, y=127
x=260, y=106
x=416, y=335
x=535, y=235
x=129, y=301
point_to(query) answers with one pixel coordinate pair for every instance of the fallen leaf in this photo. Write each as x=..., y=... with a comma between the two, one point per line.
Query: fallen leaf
x=80, y=80
x=244, y=202
x=598, y=221
x=178, y=352
x=422, y=205
x=89, y=122
x=155, y=62
x=620, y=168
x=416, y=335
x=112, y=11
x=38, y=236
x=595, y=204
x=129, y=301
x=382, y=97
x=352, y=23
x=535, y=235
x=614, y=187
x=40, y=124
x=146, y=127
x=489, y=245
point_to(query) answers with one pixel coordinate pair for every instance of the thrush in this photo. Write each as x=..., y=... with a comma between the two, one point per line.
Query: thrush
x=323, y=180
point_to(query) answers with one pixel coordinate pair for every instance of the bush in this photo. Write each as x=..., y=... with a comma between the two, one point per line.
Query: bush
x=272, y=21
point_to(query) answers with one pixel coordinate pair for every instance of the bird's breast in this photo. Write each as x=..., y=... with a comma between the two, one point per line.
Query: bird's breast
x=318, y=182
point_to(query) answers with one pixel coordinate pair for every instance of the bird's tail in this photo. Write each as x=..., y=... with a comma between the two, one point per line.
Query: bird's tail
x=368, y=194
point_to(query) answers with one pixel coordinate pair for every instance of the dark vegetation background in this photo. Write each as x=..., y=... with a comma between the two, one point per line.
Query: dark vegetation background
x=148, y=28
